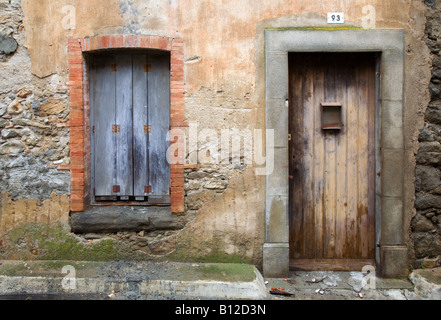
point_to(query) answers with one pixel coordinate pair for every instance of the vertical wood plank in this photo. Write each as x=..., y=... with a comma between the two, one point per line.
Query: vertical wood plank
x=123, y=118
x=306, y=136
x=296, y=156
x=140, y=119
x=352, y=164
x=371, y=156
x=363, y=156
x=330, y=166
x=366, y=199
x=319, y=158
x=159, y=120
x=103, y=89
x=341, y=158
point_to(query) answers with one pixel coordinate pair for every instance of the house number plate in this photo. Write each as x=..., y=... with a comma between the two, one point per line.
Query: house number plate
x=336, y=17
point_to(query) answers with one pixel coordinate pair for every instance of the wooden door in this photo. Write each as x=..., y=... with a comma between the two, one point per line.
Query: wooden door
x=130, y=116
x=332, y=173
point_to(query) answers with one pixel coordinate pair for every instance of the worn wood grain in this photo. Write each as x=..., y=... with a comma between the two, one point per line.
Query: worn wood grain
x=103, y=106
x=296, y=159
x=124, y=119
x=140, y=119
x=159, y=120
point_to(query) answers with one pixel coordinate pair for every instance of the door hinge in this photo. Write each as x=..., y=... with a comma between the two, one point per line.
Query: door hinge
x=93, y=129
x=115, y=128
x=114, y=67
x=289, y=136
x=147, y=67
x=147, y=128
x=147, y=189
x=116, y=189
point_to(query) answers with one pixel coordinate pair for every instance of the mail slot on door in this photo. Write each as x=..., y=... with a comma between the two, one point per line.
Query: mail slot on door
x=331, y=116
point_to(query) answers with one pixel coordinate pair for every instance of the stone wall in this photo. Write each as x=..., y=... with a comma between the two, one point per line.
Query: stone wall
x=426, y=224
x=34, y=143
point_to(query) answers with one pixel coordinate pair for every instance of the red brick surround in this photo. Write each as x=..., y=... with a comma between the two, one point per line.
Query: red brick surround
x=79, y=108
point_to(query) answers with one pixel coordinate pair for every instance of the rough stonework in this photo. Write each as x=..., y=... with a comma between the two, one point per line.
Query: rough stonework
x=426, y=224
x=32, y=113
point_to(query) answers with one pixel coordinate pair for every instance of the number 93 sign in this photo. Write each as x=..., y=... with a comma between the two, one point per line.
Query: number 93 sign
x=336, y=17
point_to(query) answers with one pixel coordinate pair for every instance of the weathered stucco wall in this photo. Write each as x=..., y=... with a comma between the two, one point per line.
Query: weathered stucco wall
x=224, y=89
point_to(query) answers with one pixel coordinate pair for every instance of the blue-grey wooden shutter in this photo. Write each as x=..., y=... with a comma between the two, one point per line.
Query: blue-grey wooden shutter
x=140, y=127
x=130, y=99
x=124, y=121
x=103, y=81
x=159, y=121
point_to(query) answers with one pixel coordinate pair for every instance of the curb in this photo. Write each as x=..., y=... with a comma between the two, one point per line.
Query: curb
x=198, y=289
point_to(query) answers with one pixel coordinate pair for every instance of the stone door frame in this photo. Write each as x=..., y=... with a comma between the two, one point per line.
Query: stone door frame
x=391, y=254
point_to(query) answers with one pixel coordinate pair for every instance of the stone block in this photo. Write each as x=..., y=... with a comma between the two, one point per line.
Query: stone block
x=427, y=178
x=392, y=123
x=277, y=120
x=422, y=224
x=392, y=220
x=394, y=261
x=275, y=260
x=277, y=75
x=277, y=226
x=429, y=153
x=392, y=75
x=392, y=173
x=277, y=181
x=8, y=44
x=427, y=244
x=433, y=114
x=426, y=200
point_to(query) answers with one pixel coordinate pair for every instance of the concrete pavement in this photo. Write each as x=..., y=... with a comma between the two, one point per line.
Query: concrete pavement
x=123, y=280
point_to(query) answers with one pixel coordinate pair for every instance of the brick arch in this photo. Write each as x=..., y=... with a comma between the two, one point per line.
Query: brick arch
x=79, y=108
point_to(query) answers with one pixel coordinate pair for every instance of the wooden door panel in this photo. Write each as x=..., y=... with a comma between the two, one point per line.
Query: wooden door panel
x=159, y=121
x=103, y=80
x=331, y=172
x=124, y=121
x=140, y=121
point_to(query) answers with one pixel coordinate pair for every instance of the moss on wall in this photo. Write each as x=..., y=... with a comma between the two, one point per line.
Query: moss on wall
x=55, y=242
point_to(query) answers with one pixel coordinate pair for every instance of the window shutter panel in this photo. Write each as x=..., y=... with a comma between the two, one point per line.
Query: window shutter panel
x=123, y=118
x=140, y=137
x=102, y=82
x=159, y=121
